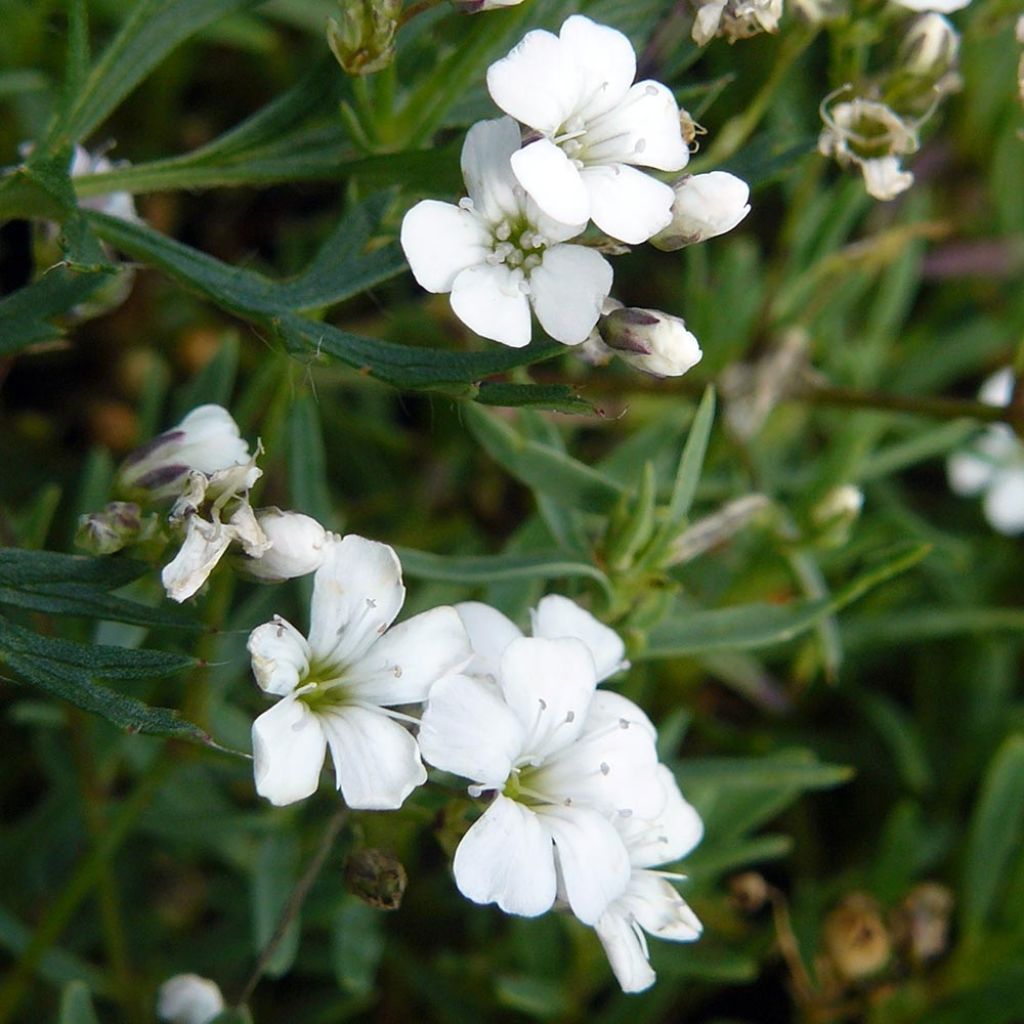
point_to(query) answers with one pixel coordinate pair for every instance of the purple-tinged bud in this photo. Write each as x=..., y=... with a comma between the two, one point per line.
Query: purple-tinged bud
x=655, y=342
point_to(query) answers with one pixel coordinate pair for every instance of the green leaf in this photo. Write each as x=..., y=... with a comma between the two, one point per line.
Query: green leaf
x=57, y=966
x=20, y=568
x=555, y=397
x=76, y=66
x=26, y=317
x=151, y=31
x=274, y=876
x=543, y=468
x=76, y=1005
x=307, y=463
x=994, y=836
x=691, y=462
x=790, y=769
x=487, y=569
x=357, y=946
x=693, y=631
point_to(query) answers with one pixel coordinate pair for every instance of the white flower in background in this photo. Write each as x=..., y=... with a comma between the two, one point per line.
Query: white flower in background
x=189, y=999
x=500, y=256
x=705, y=206
x=339, y=686
x=297, y=546
x=994, y=464
x=561, y=761
x=592, y=126
x=115, y=204
x=735, y=19
x=555, y=618
x=648, y=339
x=650, y=903
x=872, y=136
x=942, y=6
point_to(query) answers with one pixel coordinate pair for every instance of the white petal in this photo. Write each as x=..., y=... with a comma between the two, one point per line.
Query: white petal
x=212, y=441
x=204, y=546
x=296, y=546
x=998, y=389
x=942, y=6
x=467, y=729
x=280, y=656
x=552, y=181
x=593, y=864
x=659, y=909
x=189, y=999
x=534, y=83
x=248, y=531
x=625, y=950
x=490, y=632
x=969, y=473
x=612, y=766
x=556, y=616
x=357, y=593
x=884, y=177
x=643, y=129
x=709, y=17
x=376, y=761
x=403, y=664
x=604, y=60
x=548, y=684
x=486, y=170
x=568, y=290
x=1004, y=503
x=669, y=836
x=440, y=240
x=488, y=300
x=288, y=748
x=507, y=858
x=626, y=203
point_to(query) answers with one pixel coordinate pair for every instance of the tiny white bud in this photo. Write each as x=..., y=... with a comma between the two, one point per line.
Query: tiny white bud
x=650, y=340
x=930, y=47
x=705, y=205
x=296, y=546
x=189, y=999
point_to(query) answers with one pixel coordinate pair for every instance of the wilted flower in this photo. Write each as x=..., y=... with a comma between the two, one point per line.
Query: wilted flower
x=297, y=546
x=339, y=686
x=650, y=340
x=872, y=136
x=559, y=761
x=855, y=937
x=650, y=903
x=592, y=126
x=116, y=527
x=705, y=205
x=994, y=464
x=735, y=19
x=189, y=999
x=500, y=256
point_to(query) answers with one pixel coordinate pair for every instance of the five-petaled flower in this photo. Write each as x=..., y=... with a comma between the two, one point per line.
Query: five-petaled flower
x=338, y=688
x=499, y=255
x=592, y=127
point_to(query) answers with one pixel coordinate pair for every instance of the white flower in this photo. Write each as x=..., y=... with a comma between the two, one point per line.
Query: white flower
x=942, y=6
x=735, y=19
x=872, y=136
x=595, y=126
x=206, y=441
x=650, y=903
x=561, y=761
x=994, y=464
x=296, y=546
x=338, y=687
x=116, y=204
x=189, y=999
x=705, y=205
x=499, y=255
x=650, y=340
x=555, y=617
x=930, y=46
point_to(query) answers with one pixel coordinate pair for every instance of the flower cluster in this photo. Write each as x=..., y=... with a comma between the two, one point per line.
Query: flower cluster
x=993, y=466
x=575, y=147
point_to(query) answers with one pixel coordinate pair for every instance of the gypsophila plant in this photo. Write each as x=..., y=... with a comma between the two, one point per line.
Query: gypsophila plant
x=356, y=667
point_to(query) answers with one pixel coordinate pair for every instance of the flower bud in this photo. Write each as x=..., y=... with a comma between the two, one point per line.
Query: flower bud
x=705, y=205
x=921, y=922
x=476, y=6
x=296, y=546
x=376, y=877
x=207, y=441
x=103, y=533
x=363, y=41
x=749, y=892
x=189, y=999
x=856, y=939
x=930, y=47
x=655, y=342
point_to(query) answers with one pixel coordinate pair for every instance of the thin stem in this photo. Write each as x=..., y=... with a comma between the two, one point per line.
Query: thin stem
x=294, y=904
x=81, y=883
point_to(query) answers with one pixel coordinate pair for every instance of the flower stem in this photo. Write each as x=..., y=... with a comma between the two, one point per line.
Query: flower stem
x=294, y=904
